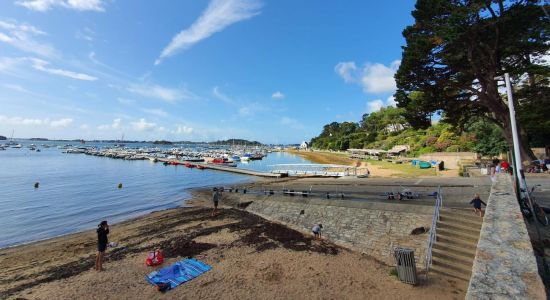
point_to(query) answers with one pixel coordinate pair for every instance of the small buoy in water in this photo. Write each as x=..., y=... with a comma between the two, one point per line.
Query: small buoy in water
x=120, y=185
x=36, y=184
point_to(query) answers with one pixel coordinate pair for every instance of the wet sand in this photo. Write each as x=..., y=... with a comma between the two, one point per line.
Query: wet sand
x=251, y=258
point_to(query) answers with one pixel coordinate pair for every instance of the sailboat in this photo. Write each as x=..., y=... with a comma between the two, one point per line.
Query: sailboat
x=11, y=141
x=120, y=144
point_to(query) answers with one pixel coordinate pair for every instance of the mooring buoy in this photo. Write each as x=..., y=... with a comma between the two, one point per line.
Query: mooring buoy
x=120, y=185
x=36, y=185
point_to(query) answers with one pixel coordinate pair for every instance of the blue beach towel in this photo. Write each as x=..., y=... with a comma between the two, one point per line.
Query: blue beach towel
x=178, y=273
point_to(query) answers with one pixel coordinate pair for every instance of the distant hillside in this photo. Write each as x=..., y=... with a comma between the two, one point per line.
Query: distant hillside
x=387, y=128
x=38, y=139
x=163, y=143
x=236, y=142
x=2, y=138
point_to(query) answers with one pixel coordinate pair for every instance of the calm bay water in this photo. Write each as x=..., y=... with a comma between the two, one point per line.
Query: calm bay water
x=77, y=191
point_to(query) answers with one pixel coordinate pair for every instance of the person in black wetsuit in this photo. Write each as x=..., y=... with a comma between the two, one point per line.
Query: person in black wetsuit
x=477, y=205
x=102, y=241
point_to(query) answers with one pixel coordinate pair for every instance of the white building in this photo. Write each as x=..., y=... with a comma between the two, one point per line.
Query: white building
x=304, y=145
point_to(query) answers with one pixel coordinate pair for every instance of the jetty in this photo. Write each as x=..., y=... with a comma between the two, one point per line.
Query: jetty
x=240, y=170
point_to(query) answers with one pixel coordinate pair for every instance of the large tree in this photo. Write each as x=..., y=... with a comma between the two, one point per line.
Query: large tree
x=456, y=53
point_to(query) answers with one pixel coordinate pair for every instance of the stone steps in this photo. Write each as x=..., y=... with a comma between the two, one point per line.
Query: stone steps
x=454, y=250
x=461, y=221
x=463, y=258
x=456, y=227
x=447, y=232
x=468, y=215
x=452, y=265
x=442, y=271
x=457, y=242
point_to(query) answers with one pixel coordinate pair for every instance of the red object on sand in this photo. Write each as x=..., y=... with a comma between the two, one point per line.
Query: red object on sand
x=154, y=258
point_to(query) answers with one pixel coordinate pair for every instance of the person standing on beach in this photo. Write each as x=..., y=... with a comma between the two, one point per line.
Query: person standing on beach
x=317, y=231
x=215, y=199
x=477, y=205
x=102, y=241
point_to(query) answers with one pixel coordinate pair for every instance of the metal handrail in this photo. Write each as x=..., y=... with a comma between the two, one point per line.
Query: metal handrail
x=433, y=231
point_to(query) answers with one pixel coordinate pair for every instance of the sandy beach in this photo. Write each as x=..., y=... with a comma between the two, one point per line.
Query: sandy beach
x=251, y=258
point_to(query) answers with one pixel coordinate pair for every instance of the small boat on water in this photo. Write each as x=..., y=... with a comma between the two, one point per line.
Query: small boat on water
x=200, y=167
x=189, y=165
x=17, y=146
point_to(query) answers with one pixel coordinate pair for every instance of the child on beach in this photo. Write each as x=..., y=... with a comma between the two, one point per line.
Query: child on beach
x=477, y=205
x=102, y=241
x=215, y=199
x=317, y=231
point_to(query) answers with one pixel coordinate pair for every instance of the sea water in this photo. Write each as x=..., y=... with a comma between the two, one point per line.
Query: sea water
x=77, y=191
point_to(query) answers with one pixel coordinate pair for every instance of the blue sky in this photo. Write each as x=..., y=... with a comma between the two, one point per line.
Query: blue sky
x=272, y=71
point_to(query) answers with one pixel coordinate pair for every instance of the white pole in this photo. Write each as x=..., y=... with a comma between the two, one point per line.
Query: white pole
x=517, y=154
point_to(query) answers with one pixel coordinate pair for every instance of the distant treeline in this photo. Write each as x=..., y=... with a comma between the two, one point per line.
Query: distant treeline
x=158, y=142
x=236, y=142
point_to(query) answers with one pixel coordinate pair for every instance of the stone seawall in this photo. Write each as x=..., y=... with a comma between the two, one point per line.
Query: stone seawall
x=505, y=266
x=372, y=228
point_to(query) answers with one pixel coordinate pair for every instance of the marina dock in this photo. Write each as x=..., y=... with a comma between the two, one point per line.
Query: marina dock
x=225, y=168
x=240, y=171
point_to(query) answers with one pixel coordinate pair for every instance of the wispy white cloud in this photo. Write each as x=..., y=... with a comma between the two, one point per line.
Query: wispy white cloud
x=19, y=121
x=85, y=34
x=375, y=78
x=346, y=70
x=159, y=112
x=22, y=36
x=126, y=101
x=42, y=65
x=374, y=105
x=143, y=125
x=221, y=96
x=65, y=122
x=183, y=130
x=251, y=109
x=377, y=104
x=160, y=92
x=391, y=101
x=117, y=124
x=15, y=87
x=45, y=5
x=218, y=15
x=278, y=95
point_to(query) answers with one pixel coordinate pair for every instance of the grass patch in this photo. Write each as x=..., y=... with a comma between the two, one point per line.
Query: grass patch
x=405, y=169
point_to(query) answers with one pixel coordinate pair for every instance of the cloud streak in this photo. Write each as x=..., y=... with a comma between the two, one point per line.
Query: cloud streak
x=160, y=92
x=22, y=36
x=42, y=65
x=218, y=15
x=45, y=5
x=278, y=95
x=18, y=121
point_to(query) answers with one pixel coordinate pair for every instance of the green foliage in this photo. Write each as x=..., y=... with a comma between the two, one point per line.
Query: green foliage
x=453, y=44
x=489, y=138
x=441, y=137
